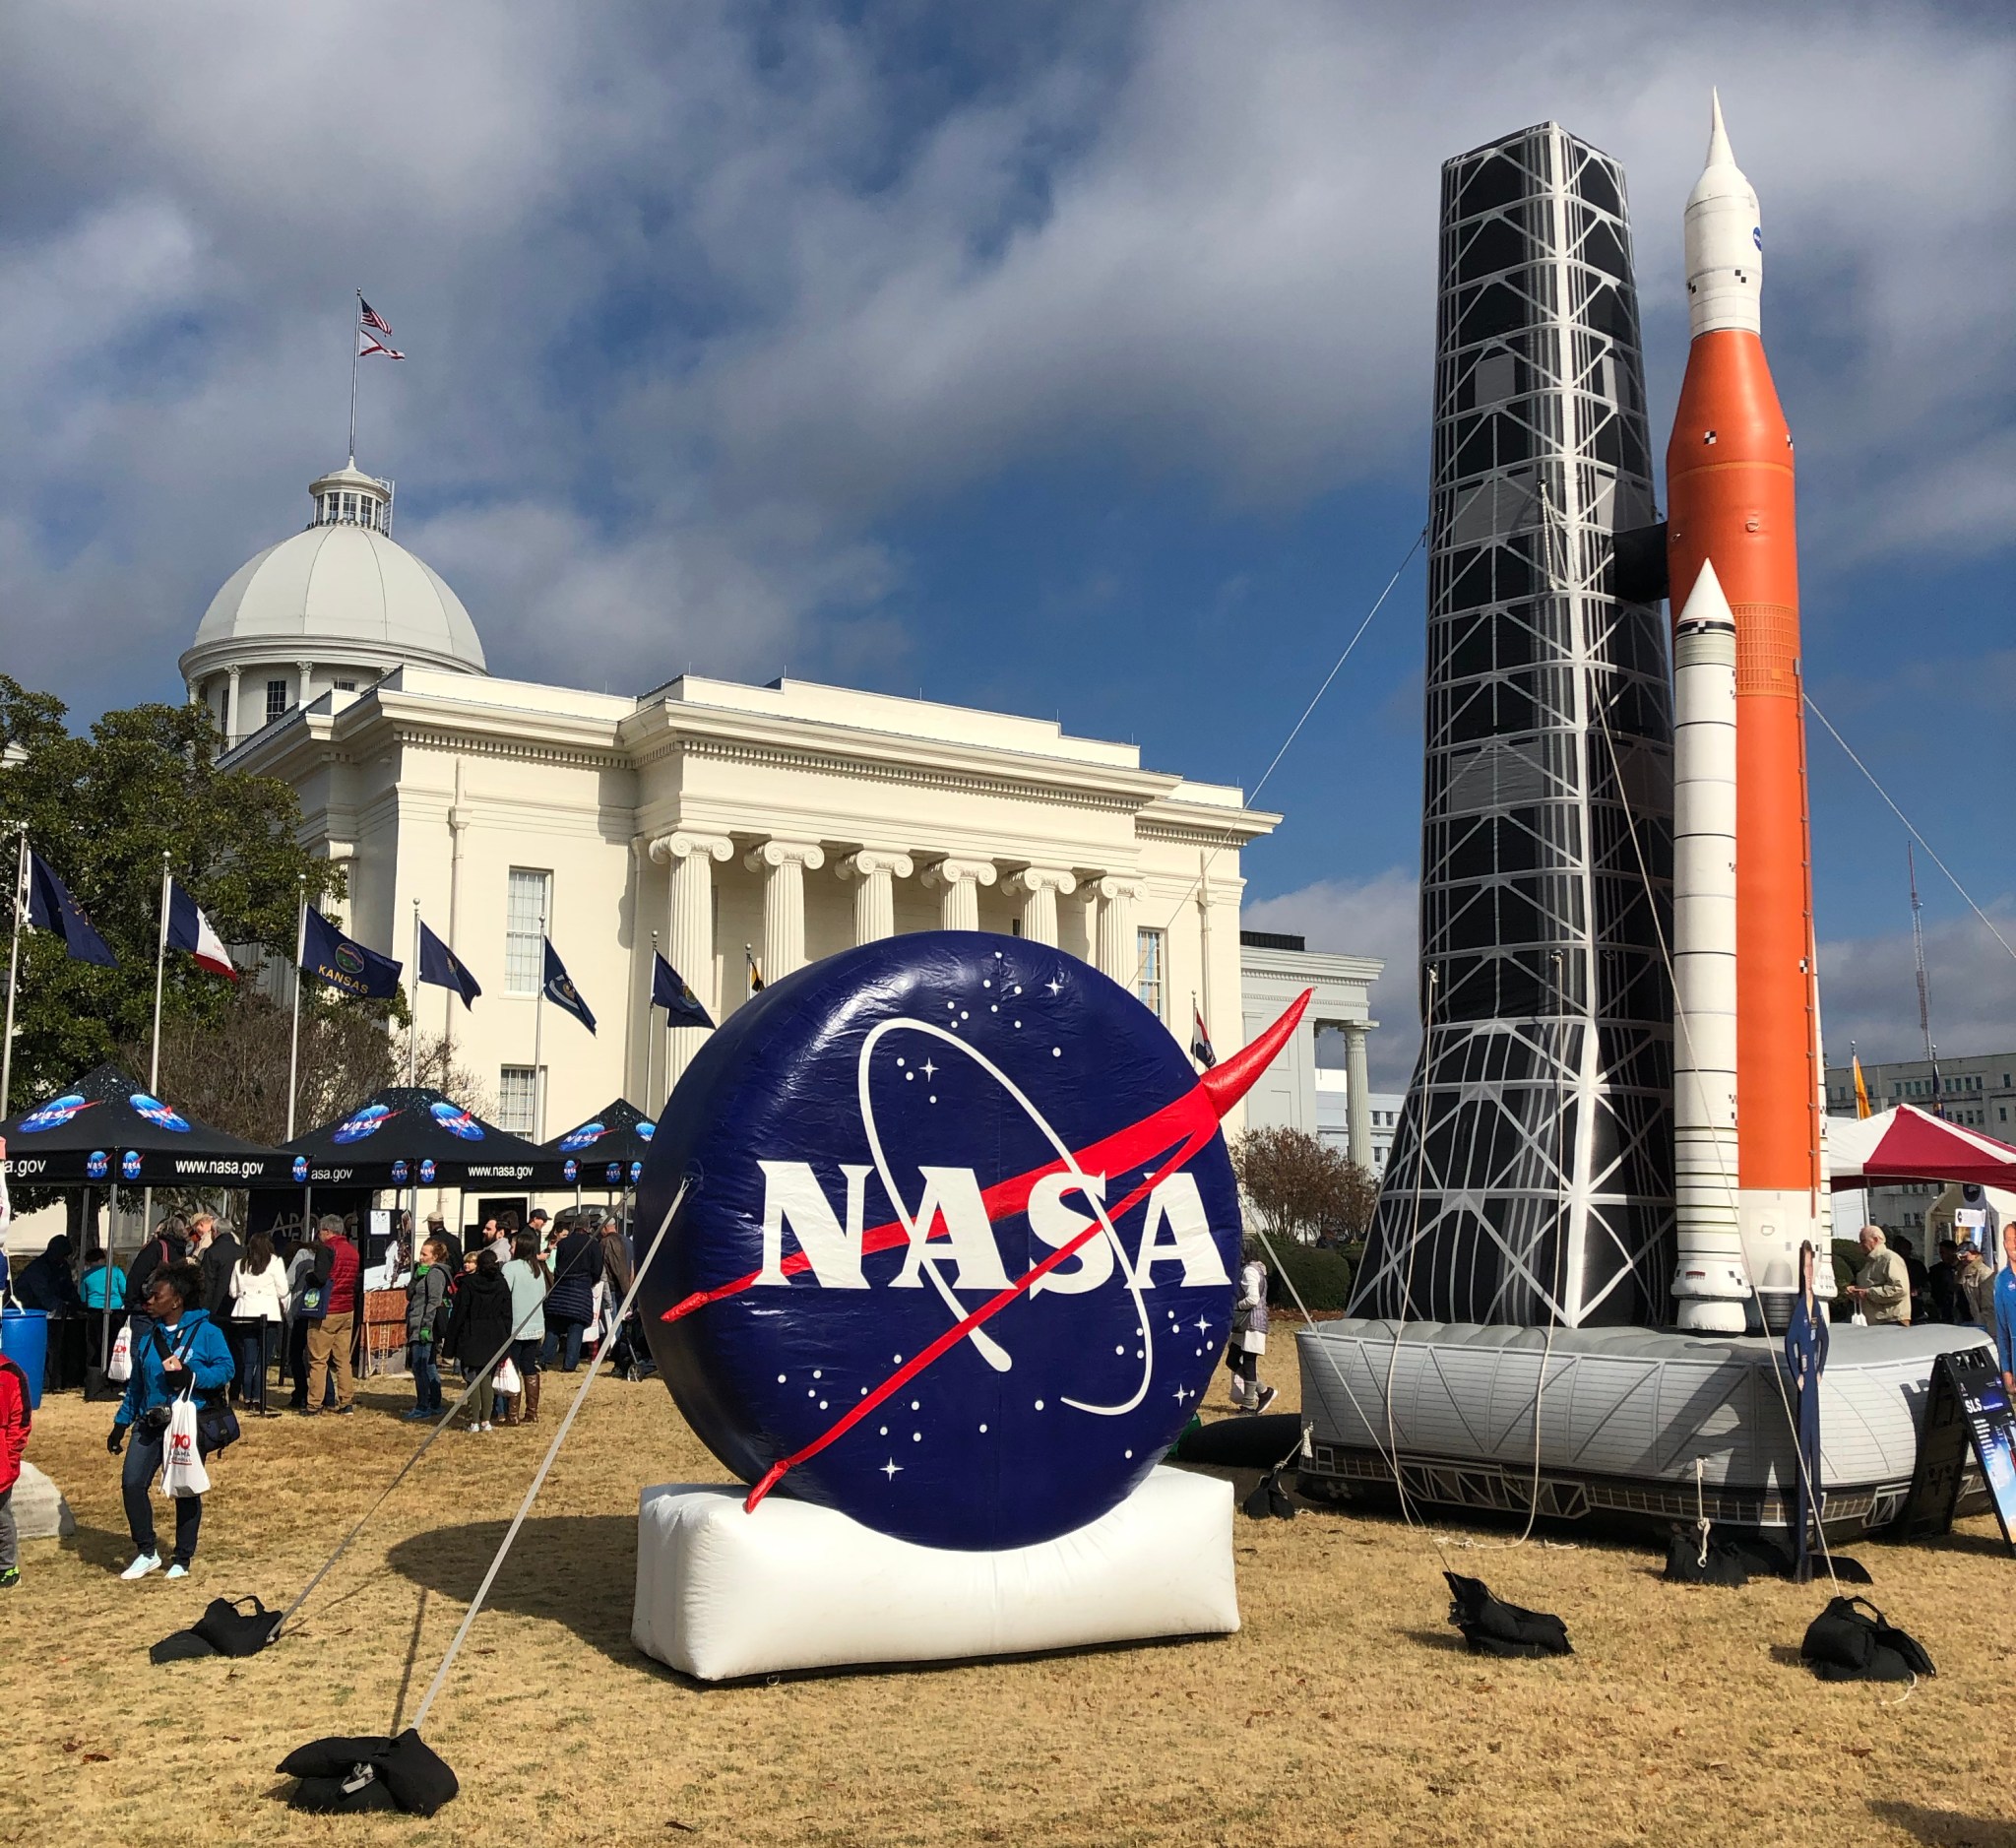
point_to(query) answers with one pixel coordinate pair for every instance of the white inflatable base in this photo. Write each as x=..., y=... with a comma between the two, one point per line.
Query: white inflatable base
x=41, y=1511
x=722, y=1593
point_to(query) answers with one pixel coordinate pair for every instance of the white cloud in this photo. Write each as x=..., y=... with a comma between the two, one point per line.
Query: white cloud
x=695, y=304
x=1377, y=916
x=1868, y=989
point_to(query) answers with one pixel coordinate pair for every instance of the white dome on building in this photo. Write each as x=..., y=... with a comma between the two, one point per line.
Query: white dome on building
x=335, y=607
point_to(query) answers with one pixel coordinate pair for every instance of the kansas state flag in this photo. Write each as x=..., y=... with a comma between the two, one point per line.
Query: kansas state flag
x=444, y=968
x=330, y=956
x=669, y=991
x=561, y=991
x=51, y=907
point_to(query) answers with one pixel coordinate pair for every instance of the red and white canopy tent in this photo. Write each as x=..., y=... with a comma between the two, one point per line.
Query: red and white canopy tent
x=1908, y=1144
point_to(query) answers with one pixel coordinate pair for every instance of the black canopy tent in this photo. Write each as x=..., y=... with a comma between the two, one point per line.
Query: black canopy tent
x=607, y=1150
x=409, y=1136
x=106, y=1131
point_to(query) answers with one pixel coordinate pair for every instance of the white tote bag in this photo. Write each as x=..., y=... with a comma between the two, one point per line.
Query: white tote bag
x=119, y=1368
x=182, y=1471
x=506, y=1379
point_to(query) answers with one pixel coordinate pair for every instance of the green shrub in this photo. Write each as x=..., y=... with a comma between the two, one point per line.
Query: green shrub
x=1321, y=1273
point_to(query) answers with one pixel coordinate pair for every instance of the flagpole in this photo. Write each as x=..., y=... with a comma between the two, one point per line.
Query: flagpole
x=160, y=963
x=153, y=1064
x=539, y=1040
x=1204, y=937
x=13, y=966
x=294, y=1044
x=650, y=1038
x=412, y=1037
x=357, y=327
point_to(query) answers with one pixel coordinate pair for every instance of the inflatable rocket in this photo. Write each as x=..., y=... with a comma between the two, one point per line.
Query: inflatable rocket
x=1750, y=1175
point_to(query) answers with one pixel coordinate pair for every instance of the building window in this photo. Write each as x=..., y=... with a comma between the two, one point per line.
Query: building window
x=346, y=686
x=1151, y=972
x=276, y=699
x=518, y=1098
x=527, y=908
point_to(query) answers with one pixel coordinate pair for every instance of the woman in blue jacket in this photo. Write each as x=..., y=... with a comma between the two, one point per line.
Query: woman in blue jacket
x=182, y=1349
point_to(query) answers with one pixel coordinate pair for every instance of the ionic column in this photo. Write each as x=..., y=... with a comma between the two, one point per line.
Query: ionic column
x=691, y=860
x=231, y=708
x=958, y=883
x=1357, y=1097
x=1119, y=950
x=874, y=896
x=782, y=864
x=1037, y=888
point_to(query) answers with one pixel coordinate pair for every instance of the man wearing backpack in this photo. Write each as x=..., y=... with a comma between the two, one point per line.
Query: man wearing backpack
x=15, y=1420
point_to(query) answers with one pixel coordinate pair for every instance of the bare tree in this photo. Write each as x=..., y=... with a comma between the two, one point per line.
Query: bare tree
x=1302, y=1189
x=234, y=1074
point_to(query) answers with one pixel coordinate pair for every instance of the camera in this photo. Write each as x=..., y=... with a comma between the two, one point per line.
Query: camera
x=155, y=1422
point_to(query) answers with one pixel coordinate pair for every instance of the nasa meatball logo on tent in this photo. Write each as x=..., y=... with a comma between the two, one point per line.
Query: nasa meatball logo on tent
x=162, y=1115
x=455, y=1120
x=570, y=1170
x=578, y=1139
x=366, y=1123
x=957, y=1255
x=129, y=1164
x=96, y=1164
x=427, y=1170
x=399, y=1172
x=52, y=1115
x=300, y=1167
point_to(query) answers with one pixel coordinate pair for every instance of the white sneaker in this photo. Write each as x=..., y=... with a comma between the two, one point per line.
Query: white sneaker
x=143, y=1565
x=178, y=1571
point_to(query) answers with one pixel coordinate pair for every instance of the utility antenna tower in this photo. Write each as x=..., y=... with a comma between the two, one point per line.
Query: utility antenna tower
x=1925, y=986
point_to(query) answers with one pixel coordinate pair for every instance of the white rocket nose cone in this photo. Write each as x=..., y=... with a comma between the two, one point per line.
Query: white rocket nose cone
x=1725, y=241
x=1719, y=151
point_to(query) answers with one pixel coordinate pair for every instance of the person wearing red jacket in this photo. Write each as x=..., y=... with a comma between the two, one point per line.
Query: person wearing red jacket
x=336, y=1277
x=13, y=1428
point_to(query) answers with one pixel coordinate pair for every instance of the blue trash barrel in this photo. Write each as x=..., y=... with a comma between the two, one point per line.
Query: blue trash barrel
x=24, y=1340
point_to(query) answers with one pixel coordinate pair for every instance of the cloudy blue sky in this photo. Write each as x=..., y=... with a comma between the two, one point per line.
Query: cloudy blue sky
x=1072, y=359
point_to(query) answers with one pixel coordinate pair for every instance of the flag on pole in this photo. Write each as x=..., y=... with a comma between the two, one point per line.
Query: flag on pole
x=343, y=964
x=189, y=929
x=51, y=907
x=441, y=966
x=668, y=990
x=561, y=991
x=755, y=970
x=1200, y=1039
x=370, y=324
x=1862, y=1090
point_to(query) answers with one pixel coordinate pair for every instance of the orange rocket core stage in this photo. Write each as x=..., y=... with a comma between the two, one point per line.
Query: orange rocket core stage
x=1729, y=488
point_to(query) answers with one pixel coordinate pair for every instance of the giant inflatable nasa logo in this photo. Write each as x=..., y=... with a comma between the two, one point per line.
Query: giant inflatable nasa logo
x=956, y=1258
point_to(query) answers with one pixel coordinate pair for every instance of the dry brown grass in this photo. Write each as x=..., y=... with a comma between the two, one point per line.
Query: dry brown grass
x=1343, y=1712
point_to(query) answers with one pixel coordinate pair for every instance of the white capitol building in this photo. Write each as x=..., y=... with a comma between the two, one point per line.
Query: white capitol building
x=702, y=817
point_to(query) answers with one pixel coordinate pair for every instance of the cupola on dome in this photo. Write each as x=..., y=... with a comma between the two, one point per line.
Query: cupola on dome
x=337, y=607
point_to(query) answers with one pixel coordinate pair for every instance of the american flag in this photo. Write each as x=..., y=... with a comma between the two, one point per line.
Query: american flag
x=368, y=318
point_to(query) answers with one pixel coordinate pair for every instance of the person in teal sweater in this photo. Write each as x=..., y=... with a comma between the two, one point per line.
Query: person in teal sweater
x=101, y=1279
x=182, y=1349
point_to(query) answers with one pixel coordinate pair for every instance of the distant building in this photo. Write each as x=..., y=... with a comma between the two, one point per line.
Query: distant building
x=1979, y=1092
x=1333, y=1111
x=1274, y=968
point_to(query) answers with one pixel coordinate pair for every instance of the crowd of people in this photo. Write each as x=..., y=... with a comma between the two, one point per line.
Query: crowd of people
x=218, y=1321
x=1893, y=1287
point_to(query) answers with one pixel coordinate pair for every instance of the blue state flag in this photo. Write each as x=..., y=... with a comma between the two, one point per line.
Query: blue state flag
x=51, y=907
x=560, y=990
x=346, y=966
x=668, y=990
x=441, y=966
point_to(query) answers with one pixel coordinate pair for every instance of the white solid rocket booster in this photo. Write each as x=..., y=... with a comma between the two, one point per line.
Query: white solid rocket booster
x=1709, y=1285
